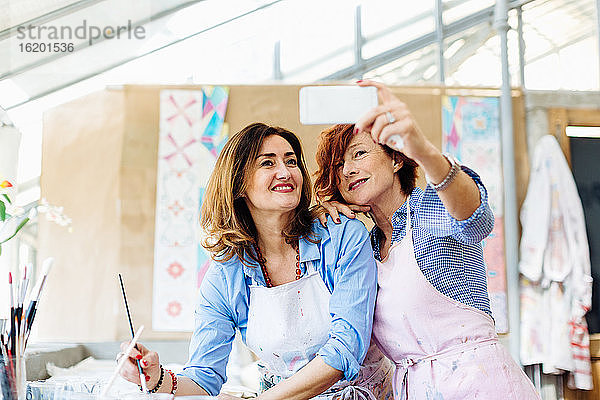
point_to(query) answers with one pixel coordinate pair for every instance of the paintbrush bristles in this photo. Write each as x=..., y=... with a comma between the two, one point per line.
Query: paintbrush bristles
x=10, y=290
x=25, y=284
x=46, y=265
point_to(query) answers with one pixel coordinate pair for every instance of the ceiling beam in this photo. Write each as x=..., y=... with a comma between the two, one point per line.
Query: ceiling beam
x=85, y=44
x=49, y=16
x=481, y=16
x=129, y=59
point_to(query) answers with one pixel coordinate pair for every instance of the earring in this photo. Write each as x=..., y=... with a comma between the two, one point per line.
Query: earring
x=397, y=165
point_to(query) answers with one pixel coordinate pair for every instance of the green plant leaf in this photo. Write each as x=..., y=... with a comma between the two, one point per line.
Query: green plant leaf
x=2, y=211
x=7, y=198
x=21, y=225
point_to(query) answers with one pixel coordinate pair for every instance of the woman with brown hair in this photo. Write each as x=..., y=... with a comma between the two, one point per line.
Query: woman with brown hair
x=432, y=316
x=301, y=295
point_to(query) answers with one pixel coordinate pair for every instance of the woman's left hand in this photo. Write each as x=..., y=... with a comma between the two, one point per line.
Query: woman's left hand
x=377, y=121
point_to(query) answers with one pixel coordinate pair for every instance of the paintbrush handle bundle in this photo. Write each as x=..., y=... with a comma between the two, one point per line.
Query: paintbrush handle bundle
x=14, y=333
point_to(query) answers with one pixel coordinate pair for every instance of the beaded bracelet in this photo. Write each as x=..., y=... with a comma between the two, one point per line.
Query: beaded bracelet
x=173, y=381
x=160, y=381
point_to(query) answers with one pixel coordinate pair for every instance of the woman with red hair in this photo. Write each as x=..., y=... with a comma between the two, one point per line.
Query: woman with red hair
x=432, y=314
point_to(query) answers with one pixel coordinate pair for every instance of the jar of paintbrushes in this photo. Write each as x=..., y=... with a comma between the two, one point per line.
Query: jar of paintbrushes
x=13, y=377
x=15, y=331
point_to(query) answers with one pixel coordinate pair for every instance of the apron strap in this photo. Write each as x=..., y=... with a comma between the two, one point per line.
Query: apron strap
x=408, y=219
x=404, y=366
x=311, y=267
x=400, y=369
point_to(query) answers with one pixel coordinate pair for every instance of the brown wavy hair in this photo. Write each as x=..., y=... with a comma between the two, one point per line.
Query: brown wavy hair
x=330, y=154
x=225, y=217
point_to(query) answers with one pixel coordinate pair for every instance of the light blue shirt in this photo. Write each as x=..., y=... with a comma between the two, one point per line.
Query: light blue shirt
x=344, y=259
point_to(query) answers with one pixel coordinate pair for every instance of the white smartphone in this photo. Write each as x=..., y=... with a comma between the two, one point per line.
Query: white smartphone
x=335, y=104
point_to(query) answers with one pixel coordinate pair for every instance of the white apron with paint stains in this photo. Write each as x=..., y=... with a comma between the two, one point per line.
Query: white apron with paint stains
x=289, y=323
x=443, y=349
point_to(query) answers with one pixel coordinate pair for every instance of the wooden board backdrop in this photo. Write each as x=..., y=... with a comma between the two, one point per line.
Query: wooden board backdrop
x=99, y=161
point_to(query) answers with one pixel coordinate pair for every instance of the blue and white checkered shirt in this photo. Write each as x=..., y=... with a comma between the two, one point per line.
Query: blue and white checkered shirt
x=448, y=252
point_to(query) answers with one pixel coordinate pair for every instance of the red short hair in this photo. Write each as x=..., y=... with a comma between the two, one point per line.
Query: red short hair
x=330, y=155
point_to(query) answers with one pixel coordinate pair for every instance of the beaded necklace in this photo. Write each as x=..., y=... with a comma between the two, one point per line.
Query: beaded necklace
x=263, y=265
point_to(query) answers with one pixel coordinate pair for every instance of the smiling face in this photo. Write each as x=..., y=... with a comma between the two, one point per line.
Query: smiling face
x=367, y=172
x=275, y=184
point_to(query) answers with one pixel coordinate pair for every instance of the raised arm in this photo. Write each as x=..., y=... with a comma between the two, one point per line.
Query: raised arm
x=461, y=198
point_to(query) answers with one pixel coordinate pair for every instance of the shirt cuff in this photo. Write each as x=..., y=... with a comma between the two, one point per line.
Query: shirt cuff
x=483, y=198
x=336, y=355
x=478, y=226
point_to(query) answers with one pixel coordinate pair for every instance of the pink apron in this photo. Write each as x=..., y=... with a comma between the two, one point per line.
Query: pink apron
x=443, y=349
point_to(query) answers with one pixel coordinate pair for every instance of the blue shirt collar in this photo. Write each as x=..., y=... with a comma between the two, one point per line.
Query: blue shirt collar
x=414, y=199
x=310, y=251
